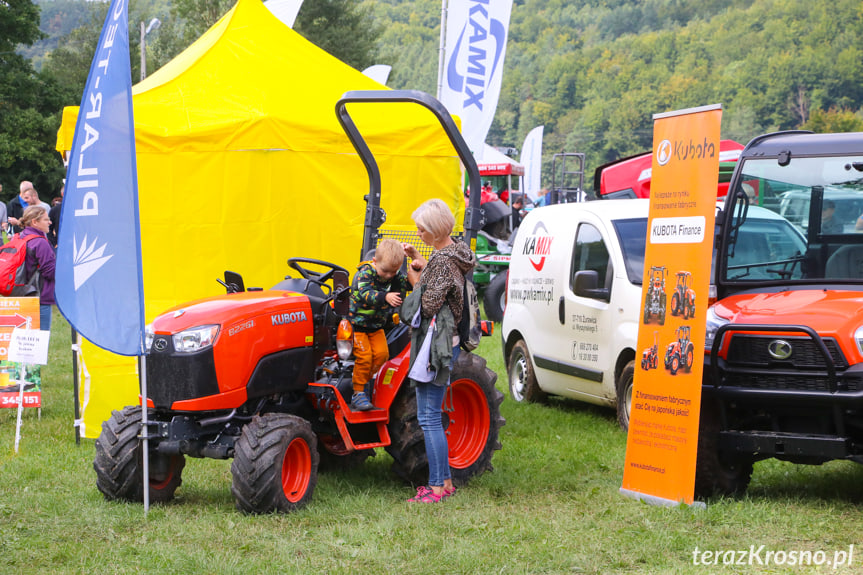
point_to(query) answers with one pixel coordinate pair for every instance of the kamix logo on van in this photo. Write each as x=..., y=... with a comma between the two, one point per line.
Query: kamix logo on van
x=537, y=246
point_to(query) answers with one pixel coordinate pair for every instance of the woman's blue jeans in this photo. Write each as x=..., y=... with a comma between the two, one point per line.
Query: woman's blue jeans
x=430, y=417
x=45, y=317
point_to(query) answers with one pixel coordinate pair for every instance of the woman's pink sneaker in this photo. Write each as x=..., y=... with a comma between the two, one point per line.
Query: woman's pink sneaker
x=425, y=495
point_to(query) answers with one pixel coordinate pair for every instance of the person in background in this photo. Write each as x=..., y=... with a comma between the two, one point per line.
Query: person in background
x=543, y=198
x=17, y=205
x=378, y=286
x=829, y=224
x=4, y=223
x=54, y=214
x=517, y=205
x=40, y=258
x=438, y=296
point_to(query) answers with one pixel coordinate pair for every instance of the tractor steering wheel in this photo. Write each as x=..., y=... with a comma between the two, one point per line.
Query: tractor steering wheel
x=314, y=276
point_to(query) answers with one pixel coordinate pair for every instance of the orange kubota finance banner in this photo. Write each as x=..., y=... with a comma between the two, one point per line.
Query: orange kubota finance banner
x=662, y=442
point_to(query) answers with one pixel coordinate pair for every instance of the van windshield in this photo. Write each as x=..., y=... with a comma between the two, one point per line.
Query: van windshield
x=632, y=235
x=797, y=221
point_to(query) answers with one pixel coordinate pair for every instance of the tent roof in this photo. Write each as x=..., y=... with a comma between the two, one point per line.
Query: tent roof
x=494, y=163
x=271, y=89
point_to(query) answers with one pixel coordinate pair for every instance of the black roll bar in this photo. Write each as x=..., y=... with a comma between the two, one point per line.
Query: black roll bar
x=374, y=214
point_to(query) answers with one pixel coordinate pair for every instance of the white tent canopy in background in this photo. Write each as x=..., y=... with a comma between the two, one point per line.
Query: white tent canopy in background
x=286, y=11
x=380, y=73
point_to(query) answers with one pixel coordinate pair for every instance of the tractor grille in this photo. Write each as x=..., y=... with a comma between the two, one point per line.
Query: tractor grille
x=749, y=365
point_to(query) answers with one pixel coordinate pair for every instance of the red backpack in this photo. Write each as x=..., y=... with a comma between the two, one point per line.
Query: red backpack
x=13, y=280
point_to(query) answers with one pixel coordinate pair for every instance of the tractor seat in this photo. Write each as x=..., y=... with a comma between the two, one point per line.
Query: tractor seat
x=315, y=293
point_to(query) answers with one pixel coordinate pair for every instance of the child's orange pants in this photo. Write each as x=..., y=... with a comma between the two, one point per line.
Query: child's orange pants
x=370, y=353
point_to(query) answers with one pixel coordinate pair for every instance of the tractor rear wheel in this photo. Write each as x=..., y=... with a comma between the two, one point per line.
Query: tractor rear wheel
x=471, y=418
x=494, y=297
x=275, y=467
x=716, y=474
x=119, y=461
x=522, y=378
x=690, y=356
x=624, y=394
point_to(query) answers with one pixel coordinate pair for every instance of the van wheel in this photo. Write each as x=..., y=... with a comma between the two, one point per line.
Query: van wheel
x=624, y=394
x=716, y=474
x=522, y=379
x=494, y=297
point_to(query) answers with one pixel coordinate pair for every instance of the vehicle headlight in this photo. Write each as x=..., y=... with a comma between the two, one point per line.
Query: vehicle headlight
x=858, y=335
x=714, y=322
x=195, y=339
x=149, y=334
x=345, y=340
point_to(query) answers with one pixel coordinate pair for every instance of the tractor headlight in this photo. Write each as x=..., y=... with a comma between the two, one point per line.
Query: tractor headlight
x=195, y=339
x=149, y=334
x=858, y=335
x=345, y=340
x=714, y=322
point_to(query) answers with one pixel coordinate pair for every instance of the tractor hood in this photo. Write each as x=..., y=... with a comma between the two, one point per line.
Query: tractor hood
x=827, y=311
x=230, y=309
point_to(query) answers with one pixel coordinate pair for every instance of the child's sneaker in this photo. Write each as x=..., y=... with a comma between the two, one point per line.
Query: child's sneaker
x=360, y=402
x=425, y=495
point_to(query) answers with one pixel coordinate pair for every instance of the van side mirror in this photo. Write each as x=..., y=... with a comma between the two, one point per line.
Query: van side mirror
x=586, y=284
x=342, y=292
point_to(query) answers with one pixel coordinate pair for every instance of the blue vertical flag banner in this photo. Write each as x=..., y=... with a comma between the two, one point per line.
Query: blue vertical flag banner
x=99, y=287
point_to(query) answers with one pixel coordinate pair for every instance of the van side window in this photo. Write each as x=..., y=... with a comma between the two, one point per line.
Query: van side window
x=590, y=253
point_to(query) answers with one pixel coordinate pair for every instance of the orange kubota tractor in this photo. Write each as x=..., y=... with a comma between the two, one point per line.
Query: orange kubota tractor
x=263, y=377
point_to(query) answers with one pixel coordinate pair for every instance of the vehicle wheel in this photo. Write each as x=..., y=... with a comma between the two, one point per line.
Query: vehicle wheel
x=334, y=455
x=675, y=365
x=494, y=297
x=522, y=378
x=119, y=461
x=655, y=361
x=692, y=311
x=275, y=467
x=624, y=395
x=471, y=419
x=716, y=474
x=685, y=312
x=675, y=304
x=690, y=355
x=647, y=310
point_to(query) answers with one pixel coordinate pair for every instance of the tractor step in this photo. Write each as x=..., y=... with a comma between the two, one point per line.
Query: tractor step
x=344, y=415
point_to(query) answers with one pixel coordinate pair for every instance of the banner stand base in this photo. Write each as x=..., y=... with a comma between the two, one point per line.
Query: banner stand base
x=659, y=501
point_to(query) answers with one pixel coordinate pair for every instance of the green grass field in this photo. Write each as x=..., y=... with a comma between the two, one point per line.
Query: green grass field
x=550, y=506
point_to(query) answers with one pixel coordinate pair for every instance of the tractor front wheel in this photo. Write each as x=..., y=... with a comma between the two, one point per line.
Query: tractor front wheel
x=675, y=304
x=119, y=461
x=494, y=297
x=471, y=418
x=275, y=467
x=675, y=364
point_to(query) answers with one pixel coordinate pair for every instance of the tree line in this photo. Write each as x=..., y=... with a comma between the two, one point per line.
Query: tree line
x=592, y=72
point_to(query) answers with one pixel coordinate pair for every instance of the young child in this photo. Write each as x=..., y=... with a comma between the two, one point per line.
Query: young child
x=377, y=286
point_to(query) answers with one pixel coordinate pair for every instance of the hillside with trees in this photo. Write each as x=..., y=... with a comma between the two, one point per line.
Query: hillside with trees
x=592, y=72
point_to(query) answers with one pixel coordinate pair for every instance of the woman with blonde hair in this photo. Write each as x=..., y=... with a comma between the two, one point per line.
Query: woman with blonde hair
x=438, y=289
x=40, y=258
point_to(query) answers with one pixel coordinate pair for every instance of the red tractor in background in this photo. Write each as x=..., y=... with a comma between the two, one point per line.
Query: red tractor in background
x=683, y=298
x=263, y=377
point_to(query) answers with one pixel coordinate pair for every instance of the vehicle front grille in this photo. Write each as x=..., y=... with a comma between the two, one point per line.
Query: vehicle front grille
x=751, y=350
x=750, y=365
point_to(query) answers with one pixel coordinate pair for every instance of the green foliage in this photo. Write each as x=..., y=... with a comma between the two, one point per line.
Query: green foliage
x=834, y=120
x=341, y=28
x=595, y=72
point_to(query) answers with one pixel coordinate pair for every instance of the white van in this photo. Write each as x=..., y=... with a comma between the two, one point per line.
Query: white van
x=570, y=327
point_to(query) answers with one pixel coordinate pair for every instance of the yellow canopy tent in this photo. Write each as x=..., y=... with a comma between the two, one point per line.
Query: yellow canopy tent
x=242, y=164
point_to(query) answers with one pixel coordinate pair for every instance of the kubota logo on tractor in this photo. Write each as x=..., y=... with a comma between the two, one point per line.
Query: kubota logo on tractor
x=537, y=246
